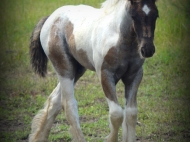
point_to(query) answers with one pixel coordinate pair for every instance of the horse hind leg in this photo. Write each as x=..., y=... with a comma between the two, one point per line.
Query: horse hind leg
x=68, y=73
x=43, y=121
x=69, y=104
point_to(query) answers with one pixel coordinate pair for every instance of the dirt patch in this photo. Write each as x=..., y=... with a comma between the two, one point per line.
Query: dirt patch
x=9, y=127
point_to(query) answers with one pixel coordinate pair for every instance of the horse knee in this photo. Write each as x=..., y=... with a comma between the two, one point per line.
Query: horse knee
x=131, y=115
x=116, y=118
x=71, y=111
x=116, y=114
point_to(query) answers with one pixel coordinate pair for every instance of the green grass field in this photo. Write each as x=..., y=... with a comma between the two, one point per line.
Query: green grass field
x=163, y=96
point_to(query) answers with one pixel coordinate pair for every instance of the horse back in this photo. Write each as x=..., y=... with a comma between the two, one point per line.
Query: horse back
x=72, y=28
x=83, y=32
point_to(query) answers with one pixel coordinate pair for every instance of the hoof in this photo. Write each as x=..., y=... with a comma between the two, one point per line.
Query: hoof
x=109, y=139
x=138, y=123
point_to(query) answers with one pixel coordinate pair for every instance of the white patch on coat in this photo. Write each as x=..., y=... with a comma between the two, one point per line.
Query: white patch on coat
x=146, y=9
x=114, y=108
x=115, y=120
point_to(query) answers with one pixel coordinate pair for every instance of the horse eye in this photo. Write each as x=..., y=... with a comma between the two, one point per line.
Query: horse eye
x=134, y=17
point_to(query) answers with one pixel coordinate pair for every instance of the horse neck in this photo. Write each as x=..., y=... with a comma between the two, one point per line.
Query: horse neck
x=121, y=19
x=126, y=29
x=115, y=9
x=128, y=37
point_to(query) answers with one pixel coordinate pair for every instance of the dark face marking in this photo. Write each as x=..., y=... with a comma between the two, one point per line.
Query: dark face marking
x=144, y=14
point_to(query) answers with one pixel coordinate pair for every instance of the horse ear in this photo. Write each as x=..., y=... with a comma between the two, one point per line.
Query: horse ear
x=134, y=1
x=131, y=1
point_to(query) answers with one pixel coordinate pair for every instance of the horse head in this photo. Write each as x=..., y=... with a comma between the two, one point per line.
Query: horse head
x=144, y=14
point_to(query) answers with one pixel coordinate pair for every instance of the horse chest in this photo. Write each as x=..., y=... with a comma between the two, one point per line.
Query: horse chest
x=121, y=63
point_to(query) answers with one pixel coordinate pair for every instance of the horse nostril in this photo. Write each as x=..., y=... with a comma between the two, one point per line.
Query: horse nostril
x=143, y=51
x=147, y=51
x=153, y=51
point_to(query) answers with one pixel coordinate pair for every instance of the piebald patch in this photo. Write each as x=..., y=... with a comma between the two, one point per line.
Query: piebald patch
x=146, y=9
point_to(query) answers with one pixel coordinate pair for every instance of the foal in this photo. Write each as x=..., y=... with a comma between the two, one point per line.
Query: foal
x=113, y=41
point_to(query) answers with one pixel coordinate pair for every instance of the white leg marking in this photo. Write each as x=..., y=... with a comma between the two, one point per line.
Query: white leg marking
x=129, y=124
x=115, y=120
x=146, y=9
x=42, y=122
x=69, y=104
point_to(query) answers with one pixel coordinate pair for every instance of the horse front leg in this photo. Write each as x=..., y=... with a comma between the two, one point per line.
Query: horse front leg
x=115, y=110
x=130, y=112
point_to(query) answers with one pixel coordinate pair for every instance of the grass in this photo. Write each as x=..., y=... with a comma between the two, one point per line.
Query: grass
x=163, y=96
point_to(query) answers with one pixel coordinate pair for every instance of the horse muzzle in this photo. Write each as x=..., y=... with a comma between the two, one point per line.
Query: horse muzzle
x=147, y=50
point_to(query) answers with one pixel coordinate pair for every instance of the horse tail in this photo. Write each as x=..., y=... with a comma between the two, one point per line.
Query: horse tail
x=38, y=57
